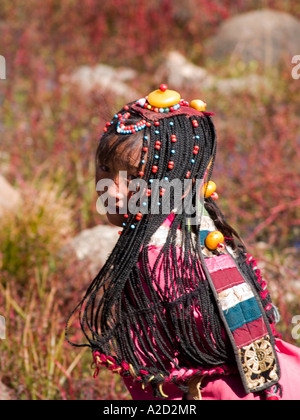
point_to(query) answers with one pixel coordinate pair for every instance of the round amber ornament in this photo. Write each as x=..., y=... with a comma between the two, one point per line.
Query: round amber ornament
x=163, y=97
x=213, y=240
x=198, y=105
x=209, y=188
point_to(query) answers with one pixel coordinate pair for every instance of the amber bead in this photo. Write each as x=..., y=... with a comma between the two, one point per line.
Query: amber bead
x=198, y=104
x=209, y=188
x=163, y=98
x=213, y=240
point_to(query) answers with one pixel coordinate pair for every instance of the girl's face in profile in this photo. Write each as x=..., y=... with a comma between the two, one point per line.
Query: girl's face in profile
x=116, y=174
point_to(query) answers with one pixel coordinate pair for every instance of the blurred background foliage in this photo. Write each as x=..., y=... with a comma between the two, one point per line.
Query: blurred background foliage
x=48, y=136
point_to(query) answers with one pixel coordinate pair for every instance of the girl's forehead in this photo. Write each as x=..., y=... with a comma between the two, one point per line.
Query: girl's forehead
x=120, y=163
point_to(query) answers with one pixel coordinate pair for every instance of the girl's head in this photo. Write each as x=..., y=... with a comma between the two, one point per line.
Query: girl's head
x=164, y=150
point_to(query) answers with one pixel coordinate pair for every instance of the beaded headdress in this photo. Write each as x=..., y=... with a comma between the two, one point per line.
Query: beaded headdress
x=159, y=104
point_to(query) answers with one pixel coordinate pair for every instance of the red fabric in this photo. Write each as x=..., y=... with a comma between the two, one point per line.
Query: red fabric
x=224, y=279
x=255, y=330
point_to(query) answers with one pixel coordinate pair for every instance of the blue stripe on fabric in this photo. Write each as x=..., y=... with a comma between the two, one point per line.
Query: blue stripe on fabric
x=203, y=236
x=242, y=313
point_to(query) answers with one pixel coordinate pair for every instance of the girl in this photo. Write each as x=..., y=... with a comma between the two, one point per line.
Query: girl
x=179, y=309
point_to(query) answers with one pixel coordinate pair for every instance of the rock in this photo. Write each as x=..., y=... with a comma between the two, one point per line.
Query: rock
x=6, y=394
x=9, y=197
x=103, y=77
x=94, y=245
x=251, y=83
x=266, y=36
x=178, y=72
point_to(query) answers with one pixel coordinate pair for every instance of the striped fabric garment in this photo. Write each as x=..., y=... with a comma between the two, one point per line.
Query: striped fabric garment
x=237, y=301
x=246, y=324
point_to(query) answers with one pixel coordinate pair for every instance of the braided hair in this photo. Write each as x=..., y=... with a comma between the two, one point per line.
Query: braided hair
x=127, y=306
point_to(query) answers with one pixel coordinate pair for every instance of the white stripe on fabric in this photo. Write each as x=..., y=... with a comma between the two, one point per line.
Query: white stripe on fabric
x=207, y=224
x=236, y=294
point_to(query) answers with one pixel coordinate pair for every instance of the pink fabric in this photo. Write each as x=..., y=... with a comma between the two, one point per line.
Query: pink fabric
x=230, y=387
x=169, y=220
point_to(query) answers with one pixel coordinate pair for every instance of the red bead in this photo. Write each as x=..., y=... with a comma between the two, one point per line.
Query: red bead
x=154, y=168
x=173, y=138
x=163, y=190
x=141, y=173
x=145, y=149
x=188, y=174
x=182, y=102
x=105, y=129
x=148, y=124
x=195, y=123
x=156, y=123
x=148, y=193
x=126, y=216
x=195, y=152
x=126, y=107
x=163, y=87
x=215, y=196
x=196, y=147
